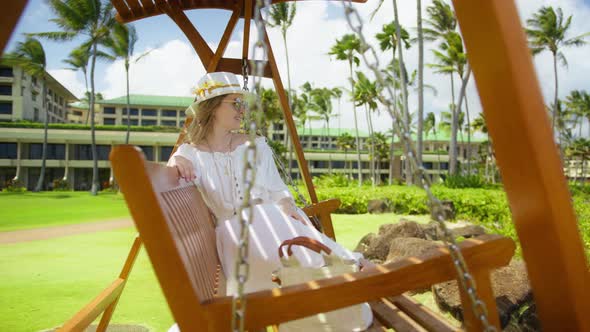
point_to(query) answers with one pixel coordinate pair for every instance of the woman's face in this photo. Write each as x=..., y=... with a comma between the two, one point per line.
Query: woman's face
x=230, y=112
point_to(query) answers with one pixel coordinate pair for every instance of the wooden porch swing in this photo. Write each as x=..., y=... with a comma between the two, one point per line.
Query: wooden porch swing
x=179, y=234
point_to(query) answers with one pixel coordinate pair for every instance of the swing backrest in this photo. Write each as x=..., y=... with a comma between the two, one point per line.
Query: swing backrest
x=177, y=230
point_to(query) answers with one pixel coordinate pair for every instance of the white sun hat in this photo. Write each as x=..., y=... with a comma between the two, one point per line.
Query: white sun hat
x=213, y=85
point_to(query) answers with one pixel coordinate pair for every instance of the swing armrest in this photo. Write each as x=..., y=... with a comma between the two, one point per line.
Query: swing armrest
x=323, y=210
x=278, y=305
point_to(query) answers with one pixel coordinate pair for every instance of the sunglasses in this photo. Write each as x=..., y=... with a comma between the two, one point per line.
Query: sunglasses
x=237, y=103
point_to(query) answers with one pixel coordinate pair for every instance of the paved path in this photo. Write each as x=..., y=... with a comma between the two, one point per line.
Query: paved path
x=65, y=230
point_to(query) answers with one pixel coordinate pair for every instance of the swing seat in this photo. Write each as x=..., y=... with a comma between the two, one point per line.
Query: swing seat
x=179, y=235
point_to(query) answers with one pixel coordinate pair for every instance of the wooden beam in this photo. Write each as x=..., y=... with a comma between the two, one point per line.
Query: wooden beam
x=288, y=116
x=173, y=9
x=247, y=11
x=231, y=24
x=235, y=66
x=529, y=162
x=136, y=8
x=12, y=12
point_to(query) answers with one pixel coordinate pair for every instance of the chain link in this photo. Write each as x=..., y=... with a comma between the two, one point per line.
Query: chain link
x=466, y=281
x=245, y=211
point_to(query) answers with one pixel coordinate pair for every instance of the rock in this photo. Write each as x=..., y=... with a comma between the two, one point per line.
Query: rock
x=404, y=247
x=433, y=231
x=379, y=247
x=378, y=206
x=364, y=243
x=467, y=230
x=510, y=285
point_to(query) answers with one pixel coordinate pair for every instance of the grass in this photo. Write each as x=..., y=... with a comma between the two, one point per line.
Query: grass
x=31, y=210
x=46, y=282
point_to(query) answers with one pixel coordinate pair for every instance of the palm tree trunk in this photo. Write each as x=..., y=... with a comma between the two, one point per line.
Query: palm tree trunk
x=454, y=121
x=41, y=179
x=462, y=92
x=287, y=140
x=329, y=146
x=86, y=84
x=356, y=128
x=391, y=154
x=468, y=135
x=371, y=147
x=404, y=87
x=420, y=82
x=128, y=103
x=95, y=179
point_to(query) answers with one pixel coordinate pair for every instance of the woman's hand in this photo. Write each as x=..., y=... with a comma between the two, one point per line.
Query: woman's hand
x=290, y=209
x=184, y=167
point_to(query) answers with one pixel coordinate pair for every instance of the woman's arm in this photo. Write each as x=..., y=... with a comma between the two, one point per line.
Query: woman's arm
x=181, y=161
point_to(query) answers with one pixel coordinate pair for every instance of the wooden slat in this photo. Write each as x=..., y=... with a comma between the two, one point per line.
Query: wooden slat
x=173, y=9
x=12, y=12
x=231, y=24
x=376, y=327
x=420, y=313
x=89, y=313
x=123, y=12
x=392, y=317
x=288, y=117
x=136, y=8
x=529, y=162
x=293, y=302
x=235, y=66
x=149, y=8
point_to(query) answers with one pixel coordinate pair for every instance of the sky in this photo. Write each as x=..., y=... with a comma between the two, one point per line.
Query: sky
x=172, y=67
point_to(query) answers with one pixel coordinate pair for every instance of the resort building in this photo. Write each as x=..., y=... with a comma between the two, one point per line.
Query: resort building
x=21, y=97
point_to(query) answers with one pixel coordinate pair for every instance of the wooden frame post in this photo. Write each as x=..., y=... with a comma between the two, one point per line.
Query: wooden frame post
x=529, y=161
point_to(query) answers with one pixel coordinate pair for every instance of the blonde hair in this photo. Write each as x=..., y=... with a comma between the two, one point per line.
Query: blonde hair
x=202, y=123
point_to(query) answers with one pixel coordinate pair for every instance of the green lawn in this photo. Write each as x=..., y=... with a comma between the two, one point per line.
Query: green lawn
x=45, y=282
x=31, y=210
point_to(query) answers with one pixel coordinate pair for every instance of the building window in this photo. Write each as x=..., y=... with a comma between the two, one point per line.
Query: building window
x=108, y=110
x=36, y=114
x=84, y=152
x=171, y=113
x=6, y=72
x=77, y=113
x=169, y=123
x=7, y=150
x=6, y=107
x=165, y=152
x=148, y=122
x=108, y=121
x=148, y=151
x=133, y=122
x=33, y=95
x=132, y=111
x=149, y=112
x=444, y=165
x=54, y=151
x=6, y=90
x=34, y=80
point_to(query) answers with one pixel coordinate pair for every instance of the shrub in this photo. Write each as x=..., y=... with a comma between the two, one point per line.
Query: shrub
x=13, y=186
x=335, y=180
x=464, y=181
x=61, y=185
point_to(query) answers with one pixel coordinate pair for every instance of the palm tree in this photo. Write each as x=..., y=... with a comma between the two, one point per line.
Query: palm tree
x=121, y=44
x=322, y=105
x=441, y=20
x=420, y=79
x=580, y=148
x=78, y=60
x=337, y=93
x=30, y=56
x=479, y=124
x=579, y=102
x=281, y=15
x=547, y=30
x=379, y=153
x=346, y=49
x=93, y=20
x=366, y=94
x=271, y=108
x=346, y=142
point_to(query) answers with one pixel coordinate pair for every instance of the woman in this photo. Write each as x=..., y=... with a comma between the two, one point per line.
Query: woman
x=213, y=158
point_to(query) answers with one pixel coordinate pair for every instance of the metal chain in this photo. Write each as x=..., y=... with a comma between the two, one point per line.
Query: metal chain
x=245, y=211
x=467, y=282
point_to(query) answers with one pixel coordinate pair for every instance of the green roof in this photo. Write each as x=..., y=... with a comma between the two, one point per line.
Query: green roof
x=335, y=132
x=79, y=104
x=149, y=100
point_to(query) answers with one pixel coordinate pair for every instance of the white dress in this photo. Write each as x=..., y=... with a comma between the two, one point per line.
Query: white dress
x=219, y=177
